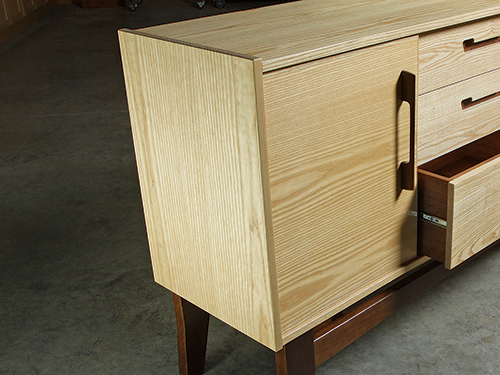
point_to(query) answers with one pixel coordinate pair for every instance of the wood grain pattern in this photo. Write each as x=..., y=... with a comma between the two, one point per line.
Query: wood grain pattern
x=444, y=125
x=474, y=205
x=443, y=60
x=432, y=241
x=432, y=193
x=301, y=31
x=342, y=225
x=466, y=184
x=196, y=134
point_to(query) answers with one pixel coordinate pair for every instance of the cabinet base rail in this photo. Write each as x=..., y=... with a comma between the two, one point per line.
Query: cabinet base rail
x=302, y=355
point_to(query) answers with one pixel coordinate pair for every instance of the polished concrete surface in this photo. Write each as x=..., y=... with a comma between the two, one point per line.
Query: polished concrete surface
x=77, y=294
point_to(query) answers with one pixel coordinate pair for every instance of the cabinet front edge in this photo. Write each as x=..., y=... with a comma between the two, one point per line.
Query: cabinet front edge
x=188, y=44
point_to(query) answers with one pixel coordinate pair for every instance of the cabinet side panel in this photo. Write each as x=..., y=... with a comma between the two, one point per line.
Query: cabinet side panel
x=342, y=225
x=195, y=125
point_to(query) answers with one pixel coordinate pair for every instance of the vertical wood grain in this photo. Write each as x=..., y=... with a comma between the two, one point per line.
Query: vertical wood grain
x=194, y=116
x=432, y=200
x=474, y=206
x=432, y=194
x=342, y=225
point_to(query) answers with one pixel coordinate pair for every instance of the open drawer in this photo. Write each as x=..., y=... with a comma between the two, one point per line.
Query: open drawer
x=459, y=201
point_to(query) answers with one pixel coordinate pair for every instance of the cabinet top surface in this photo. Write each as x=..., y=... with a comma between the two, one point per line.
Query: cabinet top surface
x=300, y=31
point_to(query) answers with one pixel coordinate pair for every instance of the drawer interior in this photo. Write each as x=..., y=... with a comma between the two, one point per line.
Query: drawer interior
x=465, y=158
x=448, y=218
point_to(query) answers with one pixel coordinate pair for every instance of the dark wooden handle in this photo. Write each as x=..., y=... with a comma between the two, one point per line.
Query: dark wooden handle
x=407, y=93
x=471, y=44
x=469, y=102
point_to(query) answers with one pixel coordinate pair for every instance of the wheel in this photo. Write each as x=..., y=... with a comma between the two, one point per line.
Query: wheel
x=201, y=4
x=220, y=3
x=132, y=6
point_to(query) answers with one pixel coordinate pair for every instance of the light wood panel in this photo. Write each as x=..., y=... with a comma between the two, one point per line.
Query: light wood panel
x=194, y=117
x=474, y=205
x=342, y=225
x=444, y=60
x=445, y=125
x=463, y=188
x=300, y=31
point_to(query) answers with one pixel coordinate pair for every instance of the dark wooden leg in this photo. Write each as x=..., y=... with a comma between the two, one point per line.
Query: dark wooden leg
x=297, y=357
x=192, y=334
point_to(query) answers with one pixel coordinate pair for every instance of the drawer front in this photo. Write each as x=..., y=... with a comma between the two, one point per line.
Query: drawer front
x=458, y=114
x=459, y=202
x=458, y=53
x=474, y=209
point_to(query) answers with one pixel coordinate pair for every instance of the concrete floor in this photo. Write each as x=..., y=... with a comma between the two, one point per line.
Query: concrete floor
x=76, y=289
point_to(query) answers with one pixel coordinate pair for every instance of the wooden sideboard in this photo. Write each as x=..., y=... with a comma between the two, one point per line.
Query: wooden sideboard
x=278, y=149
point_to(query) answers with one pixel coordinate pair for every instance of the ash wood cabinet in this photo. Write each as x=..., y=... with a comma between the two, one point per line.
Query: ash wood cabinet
x=264, y=183
x=277, y=166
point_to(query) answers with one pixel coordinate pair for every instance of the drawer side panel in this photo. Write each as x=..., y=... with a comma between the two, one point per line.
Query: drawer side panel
x=432, y=200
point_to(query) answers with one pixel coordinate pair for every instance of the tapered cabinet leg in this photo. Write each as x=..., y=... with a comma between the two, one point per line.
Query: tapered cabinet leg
x=192, y=333
x=297, y=357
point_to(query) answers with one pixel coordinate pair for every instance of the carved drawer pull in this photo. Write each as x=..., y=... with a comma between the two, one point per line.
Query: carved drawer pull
x=470, y=44
x=467, y=103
